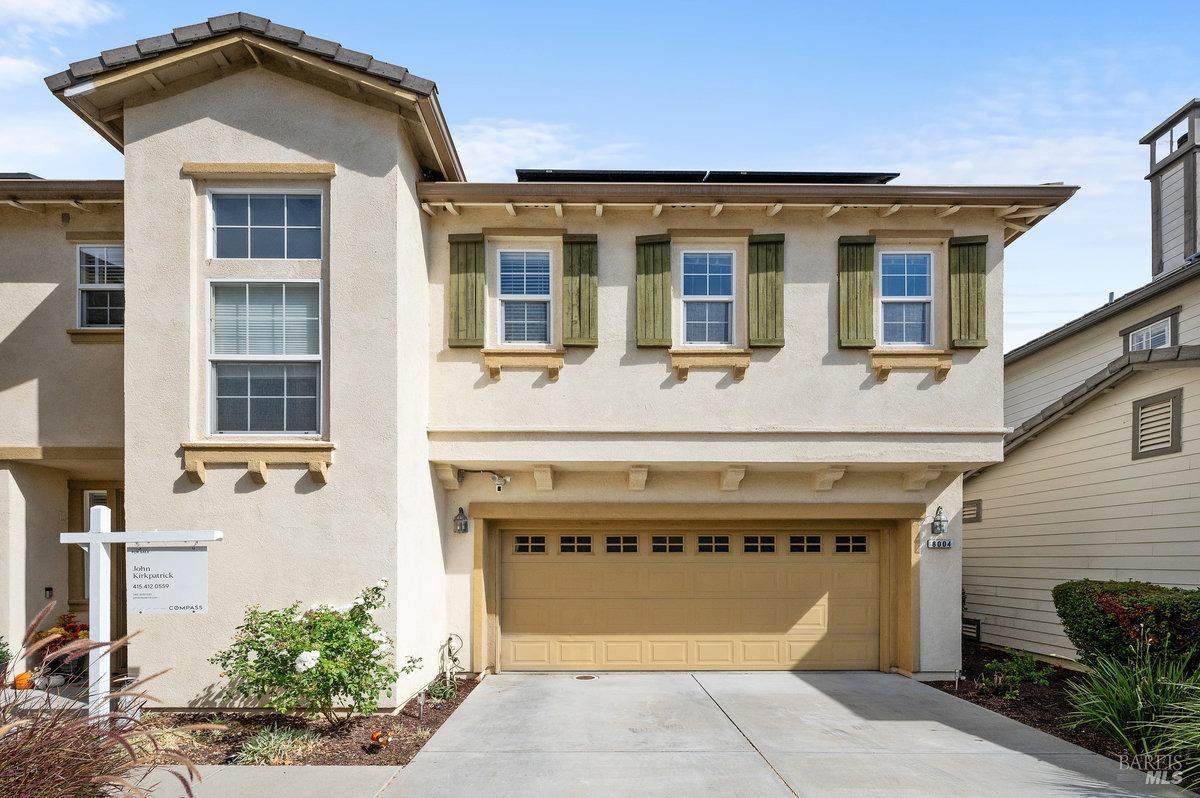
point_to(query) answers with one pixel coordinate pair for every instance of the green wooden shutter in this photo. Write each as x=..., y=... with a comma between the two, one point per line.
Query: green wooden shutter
x=968, y=292
x=654, y=290
x=580, y=267
x=465, y=293
x=856, y=291
x=765, y=297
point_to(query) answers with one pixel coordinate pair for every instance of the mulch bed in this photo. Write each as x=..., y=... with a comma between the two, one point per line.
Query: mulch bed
x=349, y=744
x=1042, y=708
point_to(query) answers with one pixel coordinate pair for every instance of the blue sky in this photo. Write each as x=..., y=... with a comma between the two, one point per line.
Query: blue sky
x=1023, y=92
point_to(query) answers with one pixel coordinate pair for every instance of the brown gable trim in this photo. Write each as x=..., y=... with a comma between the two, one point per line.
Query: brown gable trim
x=1117, y=306
x=62, y=190
x=1103, y=380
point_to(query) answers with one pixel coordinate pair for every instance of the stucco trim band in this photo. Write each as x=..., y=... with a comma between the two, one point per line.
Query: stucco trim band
x=62, y=453
x=257, y=455
x=96, y=335
x=95, y=236
x=598, y=511
x=238, y=171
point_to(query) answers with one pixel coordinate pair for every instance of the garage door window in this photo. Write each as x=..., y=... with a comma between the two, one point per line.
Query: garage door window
x=805, y=544
x=621, y=544
x=713, y=544
x=758, y=544
x=850, y=544
x=529, y=544
x=666, y=544
x=575, y=544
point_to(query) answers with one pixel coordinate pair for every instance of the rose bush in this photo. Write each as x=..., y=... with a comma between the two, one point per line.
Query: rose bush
x=328, y=661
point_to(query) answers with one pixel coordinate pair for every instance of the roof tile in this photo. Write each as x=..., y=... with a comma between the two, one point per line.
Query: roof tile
x=156, y=44
x=59, y=80
x=225, y=23
x=87, y=68
x=418, y=84
x=192, y=33
x=352, y=58
x=120, y=55
x=386, y=71
x=283, y=33
x=322, y=47
x=253, y=22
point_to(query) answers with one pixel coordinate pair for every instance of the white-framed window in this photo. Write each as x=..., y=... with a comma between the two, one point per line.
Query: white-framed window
x=708, y=297
x=1152, y=336
x=523, y=283
x=265, y=355
x=283, y=223
x=101, y=272
x=906, y=298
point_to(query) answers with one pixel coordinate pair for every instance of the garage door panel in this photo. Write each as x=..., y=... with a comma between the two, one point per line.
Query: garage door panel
x=643, y=610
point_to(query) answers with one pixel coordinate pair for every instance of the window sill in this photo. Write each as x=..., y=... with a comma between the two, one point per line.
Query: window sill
x=256, y=455
x=96, y=335
x=884, y=361
x=496, y=360
x=683, y=360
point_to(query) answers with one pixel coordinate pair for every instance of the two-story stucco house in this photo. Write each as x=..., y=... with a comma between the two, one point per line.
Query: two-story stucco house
x=1099, y=476
x=585, y=421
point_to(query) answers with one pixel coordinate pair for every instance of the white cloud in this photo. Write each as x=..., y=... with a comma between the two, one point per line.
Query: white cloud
x=27, y=18
x=15, y=70
x=56, y=145
x=492, y=148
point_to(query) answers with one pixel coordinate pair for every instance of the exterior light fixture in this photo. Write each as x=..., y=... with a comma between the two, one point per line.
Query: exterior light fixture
x=940, y=522
x=461, y=523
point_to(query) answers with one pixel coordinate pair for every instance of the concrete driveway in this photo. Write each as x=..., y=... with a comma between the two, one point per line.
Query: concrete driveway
x=761, y=734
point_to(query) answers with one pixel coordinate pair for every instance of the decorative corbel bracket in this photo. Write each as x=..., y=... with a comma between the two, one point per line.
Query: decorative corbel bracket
x=496, y=360
x=448, y=476
x=683, y=360
x=732, y=476
x=637, y=477
x=257, y=456
x=825, y=478
x=543, y=477
x=919, y=478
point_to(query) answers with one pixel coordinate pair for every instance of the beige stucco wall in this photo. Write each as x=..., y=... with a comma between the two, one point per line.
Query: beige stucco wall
x=290, y=539
x=33, y=511
x=1042, y=378
x=53, y=392
x=1074, y=504
x=810, y=387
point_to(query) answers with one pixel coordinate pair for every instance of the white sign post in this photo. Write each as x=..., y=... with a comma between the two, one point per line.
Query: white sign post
x=96, y=545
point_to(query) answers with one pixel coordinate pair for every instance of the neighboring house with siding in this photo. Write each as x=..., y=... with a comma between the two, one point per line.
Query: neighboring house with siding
x=1100, y=472
x=587, y=421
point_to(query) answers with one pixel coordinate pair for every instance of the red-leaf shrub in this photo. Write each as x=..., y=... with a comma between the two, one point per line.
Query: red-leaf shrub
x=1110, y=618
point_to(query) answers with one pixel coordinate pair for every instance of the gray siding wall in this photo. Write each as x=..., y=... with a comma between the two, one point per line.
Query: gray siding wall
x=1040, y=379
x=1073, y=504
x=1171, y=227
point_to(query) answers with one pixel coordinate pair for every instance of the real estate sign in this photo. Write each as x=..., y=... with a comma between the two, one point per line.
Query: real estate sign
x=164, y=580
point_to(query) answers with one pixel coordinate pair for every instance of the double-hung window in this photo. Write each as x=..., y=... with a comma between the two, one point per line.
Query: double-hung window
x=1152, y=336
x=265, y=353
x=708, y=297
x=101, y=285
x=266, y=225
x=524, y=296
x=906, y=298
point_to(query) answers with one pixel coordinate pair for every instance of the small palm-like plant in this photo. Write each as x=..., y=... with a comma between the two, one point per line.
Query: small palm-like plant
x=50, y=747
x=276, y=745
x=1127, y=700
x=1180, y=728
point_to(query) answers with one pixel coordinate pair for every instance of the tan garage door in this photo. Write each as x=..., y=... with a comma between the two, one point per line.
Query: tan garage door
x=689, y=601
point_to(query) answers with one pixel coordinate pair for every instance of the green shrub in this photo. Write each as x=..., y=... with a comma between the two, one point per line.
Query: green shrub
x=324, y=660
x=1107, y=619
x=442, y=689
x=5, y=653
x=1128, y=701
x=276, y=745
x=1005, y=676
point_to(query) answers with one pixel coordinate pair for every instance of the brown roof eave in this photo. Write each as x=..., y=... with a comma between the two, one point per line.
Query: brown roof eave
x=62, y=190
x=643, y=193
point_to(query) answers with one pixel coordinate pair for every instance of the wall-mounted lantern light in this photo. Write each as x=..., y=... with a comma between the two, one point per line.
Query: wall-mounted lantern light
x=461, y=523
x=940, y=522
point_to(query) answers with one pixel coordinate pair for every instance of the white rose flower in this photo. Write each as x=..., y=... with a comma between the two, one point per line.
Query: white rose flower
x=306, y=660
x=381, y=584
x=382, y=650
x=378, y=636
